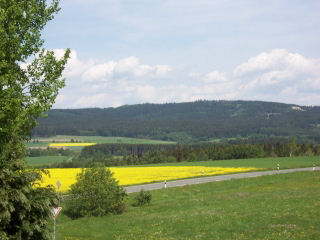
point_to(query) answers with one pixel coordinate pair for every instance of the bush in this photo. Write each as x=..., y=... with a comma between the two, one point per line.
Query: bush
x=142, y=198
x=96, y=193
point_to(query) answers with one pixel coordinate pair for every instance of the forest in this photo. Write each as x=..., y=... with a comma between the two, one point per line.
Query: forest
x=188, y=122
x=136, y=154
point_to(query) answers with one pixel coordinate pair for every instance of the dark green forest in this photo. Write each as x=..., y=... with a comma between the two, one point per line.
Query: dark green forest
x=136, y=154
x=189, y=122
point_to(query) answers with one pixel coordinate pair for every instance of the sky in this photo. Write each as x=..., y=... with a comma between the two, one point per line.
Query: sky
x=161, y=51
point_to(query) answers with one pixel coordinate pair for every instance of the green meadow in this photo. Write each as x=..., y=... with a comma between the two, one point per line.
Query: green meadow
x=44, y=142
x=45, y=160
x=263, y=163
x=36, y=144
x=284, y=206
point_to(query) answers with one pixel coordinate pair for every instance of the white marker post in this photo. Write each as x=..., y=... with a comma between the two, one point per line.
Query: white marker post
x=165, y=184
x=314, y=167
x=58, y=184
x=55, y=212
x=278, y=166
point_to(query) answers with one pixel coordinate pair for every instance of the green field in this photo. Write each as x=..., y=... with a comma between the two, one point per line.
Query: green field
x=37, y=144
x=45, y=160
x=44, y=142
x=284, y=206
x=266, y=163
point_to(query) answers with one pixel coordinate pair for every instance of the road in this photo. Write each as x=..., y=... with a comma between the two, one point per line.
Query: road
x=191, y=181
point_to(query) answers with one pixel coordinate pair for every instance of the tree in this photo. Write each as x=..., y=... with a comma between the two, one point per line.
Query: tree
x=143, y=198
x=30, y=78
x=292, y=146
x=96, y=193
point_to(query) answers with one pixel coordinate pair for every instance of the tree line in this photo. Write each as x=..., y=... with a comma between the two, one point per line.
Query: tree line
x=36, y=152
x=129, y=154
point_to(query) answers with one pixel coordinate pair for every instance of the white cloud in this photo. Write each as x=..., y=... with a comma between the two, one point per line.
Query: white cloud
x=263, y=61
x=99, y=72
x=277, y=75
x=74, y=66
x=162, y=70
x=126, y=65
x=127, y=68
x=278, y=59
x=215, y=76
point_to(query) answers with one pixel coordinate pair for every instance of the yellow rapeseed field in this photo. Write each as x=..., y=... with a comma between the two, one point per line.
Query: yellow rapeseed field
x=137, y=175
x=71, y=144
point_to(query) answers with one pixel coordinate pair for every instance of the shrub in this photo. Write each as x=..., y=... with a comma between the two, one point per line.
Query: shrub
x=143, y=198
x=96, y=193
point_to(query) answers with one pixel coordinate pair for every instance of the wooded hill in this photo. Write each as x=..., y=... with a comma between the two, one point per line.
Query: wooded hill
x=188, y=122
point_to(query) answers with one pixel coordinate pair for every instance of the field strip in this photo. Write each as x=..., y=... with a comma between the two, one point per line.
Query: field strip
x=192, y=181
x=141, y=175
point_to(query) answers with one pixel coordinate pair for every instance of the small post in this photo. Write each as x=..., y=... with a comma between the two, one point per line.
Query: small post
x=54, y=229
x=314, y=167
x=58, y=185
x=55, y=212
x=165, y=184
x=278, y=166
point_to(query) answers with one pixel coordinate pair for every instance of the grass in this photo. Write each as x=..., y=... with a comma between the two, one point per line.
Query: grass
x=283, y=206
x=45, y=160
x=37, y=144
x=44, y=142
x=266, y=163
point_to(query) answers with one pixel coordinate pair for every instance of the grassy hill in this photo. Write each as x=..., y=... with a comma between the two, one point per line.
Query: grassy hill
x=188, y=122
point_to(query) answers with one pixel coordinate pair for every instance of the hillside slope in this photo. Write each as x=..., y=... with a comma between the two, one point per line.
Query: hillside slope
x=200, y=120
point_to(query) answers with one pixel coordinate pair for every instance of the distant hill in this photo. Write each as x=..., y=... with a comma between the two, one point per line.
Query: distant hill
x=188, y=122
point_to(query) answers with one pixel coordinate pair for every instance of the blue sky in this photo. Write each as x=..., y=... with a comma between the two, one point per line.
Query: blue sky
x=137, y=51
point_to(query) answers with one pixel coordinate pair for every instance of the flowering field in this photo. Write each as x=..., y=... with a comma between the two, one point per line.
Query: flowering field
x=71, y=144
x=138, y=175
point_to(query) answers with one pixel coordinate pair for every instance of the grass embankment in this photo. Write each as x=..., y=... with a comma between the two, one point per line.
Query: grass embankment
x=283, y=206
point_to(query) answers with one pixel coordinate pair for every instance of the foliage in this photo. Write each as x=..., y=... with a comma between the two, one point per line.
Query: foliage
x=122, y=149
x=36, y=152
x=25, y=210
x=189, y=122
x=96, y=193
x=26, y=91
x=137, y=154
x=292, y=147
x=143, y=198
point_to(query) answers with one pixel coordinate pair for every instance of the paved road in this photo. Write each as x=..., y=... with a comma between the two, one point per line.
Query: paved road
x=179, y=183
